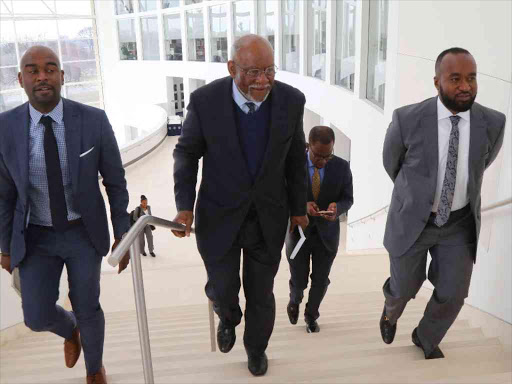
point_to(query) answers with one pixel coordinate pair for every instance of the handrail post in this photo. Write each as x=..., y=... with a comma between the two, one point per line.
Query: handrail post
x=142, y=318
x=212, y=326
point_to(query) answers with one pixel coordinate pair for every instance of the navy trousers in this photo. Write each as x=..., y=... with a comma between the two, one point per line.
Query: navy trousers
x=47, y=253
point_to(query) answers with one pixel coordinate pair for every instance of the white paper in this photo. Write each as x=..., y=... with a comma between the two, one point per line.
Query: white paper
x=16, y=281
x=299, y=243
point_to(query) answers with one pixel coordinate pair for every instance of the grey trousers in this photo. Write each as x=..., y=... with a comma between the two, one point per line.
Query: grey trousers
x=149, y=235
x=453, y=250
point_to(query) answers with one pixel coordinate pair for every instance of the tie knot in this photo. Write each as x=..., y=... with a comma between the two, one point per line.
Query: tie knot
x=454, y=120
x=46, y=121
x=251, y=106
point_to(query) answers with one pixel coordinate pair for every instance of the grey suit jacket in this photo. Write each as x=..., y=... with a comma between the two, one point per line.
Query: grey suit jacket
x=411, y=160
x=87, y=132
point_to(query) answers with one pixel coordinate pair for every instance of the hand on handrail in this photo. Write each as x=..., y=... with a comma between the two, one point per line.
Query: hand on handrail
x=125, y=260
x=186, y=218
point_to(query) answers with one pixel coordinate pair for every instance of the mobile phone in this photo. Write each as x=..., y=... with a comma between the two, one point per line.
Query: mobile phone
x=329, y=213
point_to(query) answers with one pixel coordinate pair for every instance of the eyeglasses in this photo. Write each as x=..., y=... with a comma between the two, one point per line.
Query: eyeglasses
x=255, y=72
x=325, y=158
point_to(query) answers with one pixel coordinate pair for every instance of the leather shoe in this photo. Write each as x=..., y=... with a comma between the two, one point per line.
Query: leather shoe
x=293, y=312
x=99, y=377
x=144, y=254
x=72, y=348
x=387, y=330
x=226, y=337
x=435, y=354
x=152, y=254
x=312, y=326
x=257, y=363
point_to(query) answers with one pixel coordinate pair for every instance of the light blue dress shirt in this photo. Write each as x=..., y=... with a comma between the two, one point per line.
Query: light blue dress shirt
x=240, y=100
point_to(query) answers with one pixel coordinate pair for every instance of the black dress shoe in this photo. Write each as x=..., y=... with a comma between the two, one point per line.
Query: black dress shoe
x=293, y=312
x=312, y=326
x=226, y=337
x=152, y=254
x=387, y=330
x=435, y=354
x=144, y=254
x=257, y=363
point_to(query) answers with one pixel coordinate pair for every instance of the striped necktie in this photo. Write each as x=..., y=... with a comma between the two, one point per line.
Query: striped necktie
x=315, y=184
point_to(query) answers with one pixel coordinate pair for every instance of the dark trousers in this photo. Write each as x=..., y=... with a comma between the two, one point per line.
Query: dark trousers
x=452, y=248
x=47, y=253
x=259, y=269
x=321, y=260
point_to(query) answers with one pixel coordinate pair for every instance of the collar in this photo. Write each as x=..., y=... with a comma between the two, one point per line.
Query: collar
x=444, y=113
x=57, y=114
x=240, y=99
x=310, y=163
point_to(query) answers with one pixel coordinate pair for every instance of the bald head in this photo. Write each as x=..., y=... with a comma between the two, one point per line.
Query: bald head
x=36, y=51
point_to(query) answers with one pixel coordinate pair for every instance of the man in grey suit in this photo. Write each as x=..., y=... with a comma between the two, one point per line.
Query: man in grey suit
x=52, y=212
x=436, y=153
x=248, y=130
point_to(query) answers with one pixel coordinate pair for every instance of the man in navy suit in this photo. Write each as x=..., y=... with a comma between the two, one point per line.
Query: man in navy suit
x=248, y=130
x=329, y=196
x=52, y=212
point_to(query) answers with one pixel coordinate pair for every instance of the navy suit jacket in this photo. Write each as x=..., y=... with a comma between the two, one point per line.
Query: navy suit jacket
x=86, y=129
x=227, y=190
x=336, y=188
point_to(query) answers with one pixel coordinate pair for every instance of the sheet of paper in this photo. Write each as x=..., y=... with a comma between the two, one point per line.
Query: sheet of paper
x=299, y=243
x=16, y=281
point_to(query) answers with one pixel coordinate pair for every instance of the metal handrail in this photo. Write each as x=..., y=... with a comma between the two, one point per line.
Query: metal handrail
x=130, y=242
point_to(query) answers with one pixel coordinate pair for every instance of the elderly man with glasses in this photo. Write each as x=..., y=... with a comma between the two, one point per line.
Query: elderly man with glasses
x=329, y=196
x=247, y=127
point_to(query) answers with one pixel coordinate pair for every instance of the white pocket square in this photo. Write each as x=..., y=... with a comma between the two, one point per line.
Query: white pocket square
x=86, y=152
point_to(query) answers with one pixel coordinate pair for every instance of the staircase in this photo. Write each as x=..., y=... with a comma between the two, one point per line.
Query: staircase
x=348, y=349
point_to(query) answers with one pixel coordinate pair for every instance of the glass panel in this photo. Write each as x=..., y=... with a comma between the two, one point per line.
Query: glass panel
x=219, y=33
x=291, y=36
x=267, y=15
x=9, y=78
x=188, y=2
x=83, y=93
x=75, y=7
x=33, y=7
x=170, y=3
x=7, y=45
x=76, y=39
x=317, y=37
x=150, y=45
x=127, y=41
x=242, y=18
x=50, y=44
x=195, y=35
x=36, y=30
x=10, y=100
x=377, y=45
x=147, y=5
x=172, y=28
x=80, y=71
x=124, y=6
x=345, y=43
x=6, y=7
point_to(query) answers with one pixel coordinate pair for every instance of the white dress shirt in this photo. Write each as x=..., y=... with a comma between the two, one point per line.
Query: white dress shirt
x=444, y=127
x=240, y=100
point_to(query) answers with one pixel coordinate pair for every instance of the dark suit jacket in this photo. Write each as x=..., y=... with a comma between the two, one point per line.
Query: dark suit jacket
x=336, y=187
x=411, y=160
x=86, y=128
x=227, y=191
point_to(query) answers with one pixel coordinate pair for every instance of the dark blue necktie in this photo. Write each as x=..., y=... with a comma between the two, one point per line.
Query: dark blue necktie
x=58, y=207
x=251, y=106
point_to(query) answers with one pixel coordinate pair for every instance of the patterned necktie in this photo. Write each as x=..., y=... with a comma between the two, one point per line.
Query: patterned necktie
x=251, y=106
x=450, y=176
x=58, y=207
x=315, y=184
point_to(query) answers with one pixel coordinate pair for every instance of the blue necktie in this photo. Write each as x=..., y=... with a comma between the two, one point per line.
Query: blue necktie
x=251, y=106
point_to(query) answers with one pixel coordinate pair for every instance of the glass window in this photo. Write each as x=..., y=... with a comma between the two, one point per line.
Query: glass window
x=36, y=32
x=127, y=41
x=82, y=7
x=219, y=33
x=242, y=17
x=77, y=41
x=10, y=100
x=33, y=7
x=7, y=44
x=147, y=5
x=317, y=37
x=377, y=45
x=188, y=2
x=123, y=6
x=170, y=3
x=172, y=29
x=345, y=67
x=83, y=93
x=291, y=36
x=150, y=46
x=78, y=71
x=267, y=14
x=195, y=35
x=8, y=78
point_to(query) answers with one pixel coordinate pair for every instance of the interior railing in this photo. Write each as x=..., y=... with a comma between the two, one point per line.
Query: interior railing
x=131, y=242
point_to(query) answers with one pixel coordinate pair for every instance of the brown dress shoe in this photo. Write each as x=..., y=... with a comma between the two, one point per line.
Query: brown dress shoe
x=72, y=348
x=99, y=377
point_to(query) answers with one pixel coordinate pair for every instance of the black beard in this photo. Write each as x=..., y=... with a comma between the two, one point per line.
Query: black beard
x=454, y=105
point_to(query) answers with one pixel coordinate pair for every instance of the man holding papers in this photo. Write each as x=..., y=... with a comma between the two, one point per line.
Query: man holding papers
x=329, y=196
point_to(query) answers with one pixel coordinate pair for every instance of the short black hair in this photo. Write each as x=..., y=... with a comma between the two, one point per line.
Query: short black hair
x=454, y=51
x=322, y=134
